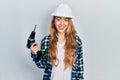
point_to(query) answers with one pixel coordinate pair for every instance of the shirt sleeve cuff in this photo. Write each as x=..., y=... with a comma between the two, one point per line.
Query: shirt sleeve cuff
x=33, y=55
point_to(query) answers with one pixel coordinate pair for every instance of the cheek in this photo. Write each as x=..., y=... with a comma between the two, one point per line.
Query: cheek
x=56, y=26
x=56, y=23
x=66, y=23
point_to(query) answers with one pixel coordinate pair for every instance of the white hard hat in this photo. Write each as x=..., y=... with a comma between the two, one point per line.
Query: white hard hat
x=63, y=10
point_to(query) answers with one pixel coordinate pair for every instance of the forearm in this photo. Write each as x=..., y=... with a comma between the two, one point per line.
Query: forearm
x=39, y=58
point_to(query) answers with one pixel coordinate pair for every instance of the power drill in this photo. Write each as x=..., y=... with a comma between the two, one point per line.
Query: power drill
x=31, y=40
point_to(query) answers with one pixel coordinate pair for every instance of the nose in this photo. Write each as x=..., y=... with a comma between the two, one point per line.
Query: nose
x=62, y=21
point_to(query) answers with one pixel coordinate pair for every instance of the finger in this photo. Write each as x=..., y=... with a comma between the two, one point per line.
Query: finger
x=34, y=44
x=34, y=49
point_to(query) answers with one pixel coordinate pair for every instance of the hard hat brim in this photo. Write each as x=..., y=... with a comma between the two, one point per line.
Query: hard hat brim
x=62, y=15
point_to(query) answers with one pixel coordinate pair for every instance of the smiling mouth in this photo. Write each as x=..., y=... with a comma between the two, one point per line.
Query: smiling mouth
x=61, y=27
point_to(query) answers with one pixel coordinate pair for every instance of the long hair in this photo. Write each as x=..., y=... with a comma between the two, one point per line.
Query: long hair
x=69, y=47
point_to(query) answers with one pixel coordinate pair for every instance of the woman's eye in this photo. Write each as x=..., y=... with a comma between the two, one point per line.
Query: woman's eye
x=66, y=19
x=58, y=19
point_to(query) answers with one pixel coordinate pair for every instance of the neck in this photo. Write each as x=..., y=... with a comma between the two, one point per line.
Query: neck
x=61, y=37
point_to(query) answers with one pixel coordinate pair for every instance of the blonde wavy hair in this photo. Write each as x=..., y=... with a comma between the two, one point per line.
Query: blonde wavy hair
x=70, y=45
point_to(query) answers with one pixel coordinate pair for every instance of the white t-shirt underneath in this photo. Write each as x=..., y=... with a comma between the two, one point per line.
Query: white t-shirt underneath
x=58, y=73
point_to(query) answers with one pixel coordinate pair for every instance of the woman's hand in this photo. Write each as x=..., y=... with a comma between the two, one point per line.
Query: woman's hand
x=34, y=48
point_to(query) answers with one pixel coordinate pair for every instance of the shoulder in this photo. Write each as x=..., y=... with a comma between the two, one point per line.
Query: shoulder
x=45, y=39
x=45, y=42
x=78, y=40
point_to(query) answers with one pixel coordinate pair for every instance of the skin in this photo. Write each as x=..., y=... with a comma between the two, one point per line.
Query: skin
x=61, y=24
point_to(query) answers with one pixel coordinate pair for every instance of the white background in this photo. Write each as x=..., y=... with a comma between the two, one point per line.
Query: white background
x=97, y=23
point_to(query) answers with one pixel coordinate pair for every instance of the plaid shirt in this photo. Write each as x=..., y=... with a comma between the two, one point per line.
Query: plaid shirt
x=77, y=70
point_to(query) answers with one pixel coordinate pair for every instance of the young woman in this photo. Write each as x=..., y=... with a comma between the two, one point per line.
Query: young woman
x=63, y=59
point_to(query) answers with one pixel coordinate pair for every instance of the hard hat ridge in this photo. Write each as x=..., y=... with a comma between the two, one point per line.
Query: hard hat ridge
x=63, y=10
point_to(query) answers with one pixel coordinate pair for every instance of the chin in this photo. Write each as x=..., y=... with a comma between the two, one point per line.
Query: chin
x=61, y=31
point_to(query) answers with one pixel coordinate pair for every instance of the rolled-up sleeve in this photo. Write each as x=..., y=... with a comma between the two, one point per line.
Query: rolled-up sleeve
x=41, y=62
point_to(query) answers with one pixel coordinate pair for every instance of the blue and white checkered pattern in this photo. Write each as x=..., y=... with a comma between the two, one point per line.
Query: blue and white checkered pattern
x=77, y=71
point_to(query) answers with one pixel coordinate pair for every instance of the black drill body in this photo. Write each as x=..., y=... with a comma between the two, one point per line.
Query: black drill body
x=31, y=40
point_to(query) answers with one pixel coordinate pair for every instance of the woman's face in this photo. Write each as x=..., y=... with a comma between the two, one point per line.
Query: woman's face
x=61, y=24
